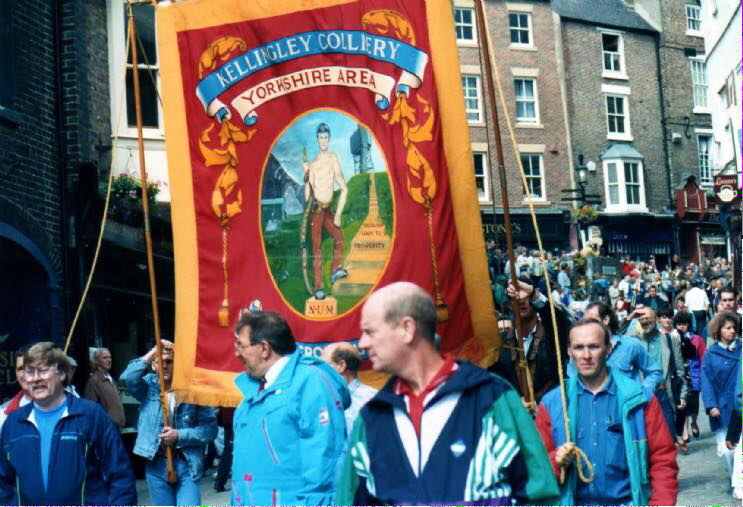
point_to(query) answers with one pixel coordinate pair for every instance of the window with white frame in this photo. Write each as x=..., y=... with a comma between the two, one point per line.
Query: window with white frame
x=699, y=83
x=704, y=145
x=148, y=69
x=472, y=102
x=693, y=17
x=723, y=96
x=624, y=186
x=731, y=88
x=632, y=183
x=617, y=117
x=480, y=162
x=612, y=47
x=519, y=24
x=464, y=24
x=527, y=103
x=533, y=170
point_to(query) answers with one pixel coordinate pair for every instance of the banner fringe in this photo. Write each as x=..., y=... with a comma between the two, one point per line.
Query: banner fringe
x=209, y=399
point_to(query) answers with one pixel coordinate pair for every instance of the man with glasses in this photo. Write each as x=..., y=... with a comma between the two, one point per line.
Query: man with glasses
x=289, y=428
x=23, y=397
x=71, y=441
x=191, y=428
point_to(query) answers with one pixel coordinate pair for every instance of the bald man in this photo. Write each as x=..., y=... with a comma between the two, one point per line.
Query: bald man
x=440, y=431
x=346, y=360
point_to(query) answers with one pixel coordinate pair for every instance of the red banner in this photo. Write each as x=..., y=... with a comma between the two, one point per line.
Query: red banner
x=314, y=155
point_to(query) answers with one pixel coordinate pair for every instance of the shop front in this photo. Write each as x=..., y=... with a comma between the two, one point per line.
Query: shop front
x=640, y=237
x=554, y=227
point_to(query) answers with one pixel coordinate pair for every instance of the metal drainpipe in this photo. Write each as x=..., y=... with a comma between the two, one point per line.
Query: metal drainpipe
x=666, y=151
x=61, y=158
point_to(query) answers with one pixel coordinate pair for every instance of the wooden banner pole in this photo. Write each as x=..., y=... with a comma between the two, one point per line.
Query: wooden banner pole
x=485, y=44
x=172, y=477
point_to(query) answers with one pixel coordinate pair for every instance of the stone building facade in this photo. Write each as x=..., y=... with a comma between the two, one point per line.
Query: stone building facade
x=614, y=104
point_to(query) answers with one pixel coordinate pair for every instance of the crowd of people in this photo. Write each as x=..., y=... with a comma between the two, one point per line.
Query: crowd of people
x=637, y=353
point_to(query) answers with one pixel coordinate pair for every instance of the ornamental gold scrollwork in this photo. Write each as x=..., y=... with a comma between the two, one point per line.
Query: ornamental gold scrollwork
x=227, y=198
x=416, y=119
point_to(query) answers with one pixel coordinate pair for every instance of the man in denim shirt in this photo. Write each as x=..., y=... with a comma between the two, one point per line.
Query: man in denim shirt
x=192, y=428
x=627, y=354
x=622, y=433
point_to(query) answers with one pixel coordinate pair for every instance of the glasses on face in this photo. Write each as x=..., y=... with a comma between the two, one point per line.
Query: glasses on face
x=44, y=372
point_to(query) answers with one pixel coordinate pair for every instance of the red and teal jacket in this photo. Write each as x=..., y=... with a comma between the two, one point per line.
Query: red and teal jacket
x=649, y=449
x=477, y=445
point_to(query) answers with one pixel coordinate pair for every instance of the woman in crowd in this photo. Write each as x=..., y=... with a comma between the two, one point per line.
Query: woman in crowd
x=718, y=378
x=695, y=347
x=665, y=323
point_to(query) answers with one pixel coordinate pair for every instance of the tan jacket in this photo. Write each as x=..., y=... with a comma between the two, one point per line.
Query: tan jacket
x=99, y=388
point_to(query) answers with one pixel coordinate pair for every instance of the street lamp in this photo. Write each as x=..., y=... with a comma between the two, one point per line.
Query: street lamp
x=579, y=194
x=582, y=171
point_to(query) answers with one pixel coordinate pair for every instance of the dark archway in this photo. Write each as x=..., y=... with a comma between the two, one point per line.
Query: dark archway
x=29, y=300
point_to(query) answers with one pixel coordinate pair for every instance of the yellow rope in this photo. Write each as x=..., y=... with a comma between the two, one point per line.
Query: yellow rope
x=114, y=146
x=579, y=452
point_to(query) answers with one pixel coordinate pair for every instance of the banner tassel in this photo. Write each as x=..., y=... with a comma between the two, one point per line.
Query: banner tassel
x=223, y=315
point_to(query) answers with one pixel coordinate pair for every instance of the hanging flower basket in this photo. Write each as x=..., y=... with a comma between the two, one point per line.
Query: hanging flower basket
x=585, y=215
x=126, y=198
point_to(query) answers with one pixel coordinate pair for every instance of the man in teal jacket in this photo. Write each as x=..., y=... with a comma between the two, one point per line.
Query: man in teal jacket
x=289, y=428
x=622, y=433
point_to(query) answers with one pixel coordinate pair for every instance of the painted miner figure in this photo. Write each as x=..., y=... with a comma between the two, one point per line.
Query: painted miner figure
x=320, y=176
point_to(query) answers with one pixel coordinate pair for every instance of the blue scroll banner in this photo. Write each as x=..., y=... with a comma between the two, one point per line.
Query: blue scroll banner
x=351, y=42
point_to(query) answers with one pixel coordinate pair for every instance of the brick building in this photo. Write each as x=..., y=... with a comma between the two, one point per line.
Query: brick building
x=612, y=78
x=525, y=50
x=687, y=124
x=32, y=256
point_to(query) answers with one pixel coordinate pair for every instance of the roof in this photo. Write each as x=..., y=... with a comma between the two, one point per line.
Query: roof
x=612, y=13
x=621, y=150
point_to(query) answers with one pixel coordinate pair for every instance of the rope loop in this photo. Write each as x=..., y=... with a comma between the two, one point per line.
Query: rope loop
x=580, y=459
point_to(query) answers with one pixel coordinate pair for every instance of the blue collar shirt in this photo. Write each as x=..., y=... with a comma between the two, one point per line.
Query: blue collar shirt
x=600, y=434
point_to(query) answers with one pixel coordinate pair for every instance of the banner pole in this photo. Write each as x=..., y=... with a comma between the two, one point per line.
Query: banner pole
x=172, y=478
x=485, y=43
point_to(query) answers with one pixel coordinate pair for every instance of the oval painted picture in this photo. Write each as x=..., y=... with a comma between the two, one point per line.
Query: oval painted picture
x=326, y=213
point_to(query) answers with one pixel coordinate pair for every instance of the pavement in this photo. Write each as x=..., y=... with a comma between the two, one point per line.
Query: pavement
x=702, y=476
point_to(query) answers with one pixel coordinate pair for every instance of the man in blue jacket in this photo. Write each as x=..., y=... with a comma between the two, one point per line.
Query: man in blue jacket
x=60, y=449
x=290, y=427
x=191, y=428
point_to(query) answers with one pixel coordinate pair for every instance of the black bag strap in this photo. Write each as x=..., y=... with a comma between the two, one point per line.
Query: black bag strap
x=674, y=372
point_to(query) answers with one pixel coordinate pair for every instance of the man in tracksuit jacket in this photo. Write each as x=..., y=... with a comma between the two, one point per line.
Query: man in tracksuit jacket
x=440, y=431
x=71, y=439
x=622, y=433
